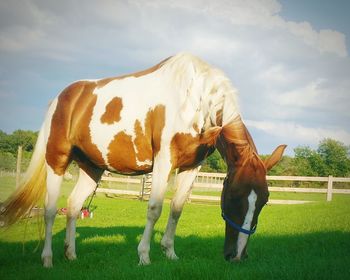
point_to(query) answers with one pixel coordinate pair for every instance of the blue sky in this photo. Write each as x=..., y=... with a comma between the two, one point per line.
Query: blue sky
x=288, y=59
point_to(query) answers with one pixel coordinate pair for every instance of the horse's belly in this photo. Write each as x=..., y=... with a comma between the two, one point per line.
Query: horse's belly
x=128, y=154
x=123, y=152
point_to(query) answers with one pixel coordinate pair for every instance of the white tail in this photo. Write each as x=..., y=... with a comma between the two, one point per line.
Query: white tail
x=33, y=185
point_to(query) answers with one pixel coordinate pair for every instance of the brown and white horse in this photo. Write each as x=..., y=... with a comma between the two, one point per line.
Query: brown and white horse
x=170, y=116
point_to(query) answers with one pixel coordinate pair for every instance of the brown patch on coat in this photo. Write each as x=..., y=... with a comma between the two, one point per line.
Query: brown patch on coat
x=155, y=121
x=143, y=142
x=80, y=133
x=70, y=127
x=58, y=147
x=103, y=82
x=113, y=109
x=185, y=149
x=189, y=151
x=122, y=155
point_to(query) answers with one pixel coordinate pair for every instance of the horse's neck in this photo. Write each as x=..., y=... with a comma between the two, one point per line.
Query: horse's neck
x=237, y=133
x=235, y=143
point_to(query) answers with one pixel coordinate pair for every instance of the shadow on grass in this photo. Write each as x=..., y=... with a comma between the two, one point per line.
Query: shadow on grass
x=111, y=253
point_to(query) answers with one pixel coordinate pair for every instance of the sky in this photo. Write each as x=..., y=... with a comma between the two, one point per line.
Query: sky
x=289, y=60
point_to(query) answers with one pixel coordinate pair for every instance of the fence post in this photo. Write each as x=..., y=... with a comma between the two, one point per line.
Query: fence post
x=330, y=188
x=18, y=168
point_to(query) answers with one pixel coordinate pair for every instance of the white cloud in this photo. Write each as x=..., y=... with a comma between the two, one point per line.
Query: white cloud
x=153, y=16
x=293, y=132
x=262, y=14
x=325, y=40
x=286, y=71
x=333, y=42
x=276, y=76
x=308, y=96
x=319, y=95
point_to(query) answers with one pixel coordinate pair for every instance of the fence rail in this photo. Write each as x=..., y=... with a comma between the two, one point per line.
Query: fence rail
x=128, y=179
x=215, y=180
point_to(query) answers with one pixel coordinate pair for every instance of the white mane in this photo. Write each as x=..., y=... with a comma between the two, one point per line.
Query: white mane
x=204, y=85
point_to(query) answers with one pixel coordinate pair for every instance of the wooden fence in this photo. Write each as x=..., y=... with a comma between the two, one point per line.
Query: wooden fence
x=214, y=181
x=125, y=180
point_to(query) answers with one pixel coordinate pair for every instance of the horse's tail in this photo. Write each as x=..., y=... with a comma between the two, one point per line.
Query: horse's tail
x=33, y=185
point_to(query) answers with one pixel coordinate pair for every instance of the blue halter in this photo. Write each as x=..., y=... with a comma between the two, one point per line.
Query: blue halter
x=236, y=226
x=232, y=223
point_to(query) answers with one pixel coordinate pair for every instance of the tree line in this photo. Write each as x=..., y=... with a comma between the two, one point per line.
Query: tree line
x=9, y=145
x=330, y=158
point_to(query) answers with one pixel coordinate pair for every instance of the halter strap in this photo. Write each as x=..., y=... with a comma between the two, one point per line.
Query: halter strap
x=236, y=226
x=232, y=223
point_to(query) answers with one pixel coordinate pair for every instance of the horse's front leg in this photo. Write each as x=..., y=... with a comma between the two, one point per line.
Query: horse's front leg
x=184, y=182
x=161, y=171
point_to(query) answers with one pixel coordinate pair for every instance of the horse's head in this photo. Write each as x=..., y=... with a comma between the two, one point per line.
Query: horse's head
x=245, y=189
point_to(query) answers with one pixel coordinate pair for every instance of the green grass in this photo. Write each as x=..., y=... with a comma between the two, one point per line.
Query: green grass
x=310, y=241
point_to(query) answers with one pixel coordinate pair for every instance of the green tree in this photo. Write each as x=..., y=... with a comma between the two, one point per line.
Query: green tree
x=9, y=142
x=5, y=143
x=9, y=145
x=331, y=158
x=7, y=161
x=335, y=157
x=24, y=138
x=307, y=162
x=214, y=163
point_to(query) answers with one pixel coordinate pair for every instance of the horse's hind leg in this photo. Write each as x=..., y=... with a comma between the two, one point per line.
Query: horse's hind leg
x=85, y=186
x=183, y=186
x=53, y=190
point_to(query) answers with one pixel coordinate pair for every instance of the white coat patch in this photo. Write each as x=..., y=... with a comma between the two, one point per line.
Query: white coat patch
x=242, y=237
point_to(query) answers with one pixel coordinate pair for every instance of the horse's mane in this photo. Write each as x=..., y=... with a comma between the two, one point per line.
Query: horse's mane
x=192, y=75
x=213, y=87
x=237, y=133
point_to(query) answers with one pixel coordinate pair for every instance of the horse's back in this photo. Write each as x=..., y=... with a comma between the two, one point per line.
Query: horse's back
x=122, y=123
x=117, y=126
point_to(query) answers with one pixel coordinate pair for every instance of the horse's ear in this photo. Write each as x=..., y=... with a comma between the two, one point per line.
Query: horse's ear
x=275, y=157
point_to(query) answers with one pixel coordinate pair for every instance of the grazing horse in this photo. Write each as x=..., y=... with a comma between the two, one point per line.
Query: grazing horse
x=170, y=116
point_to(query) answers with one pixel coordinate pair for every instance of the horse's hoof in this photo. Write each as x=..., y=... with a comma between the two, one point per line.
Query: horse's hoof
x=47, y=262
x=144, y=261
x=169, y=252
x=70, y=255
x=172, y=256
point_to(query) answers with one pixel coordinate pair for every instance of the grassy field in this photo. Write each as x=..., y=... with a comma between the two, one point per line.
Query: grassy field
x=310, y=241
